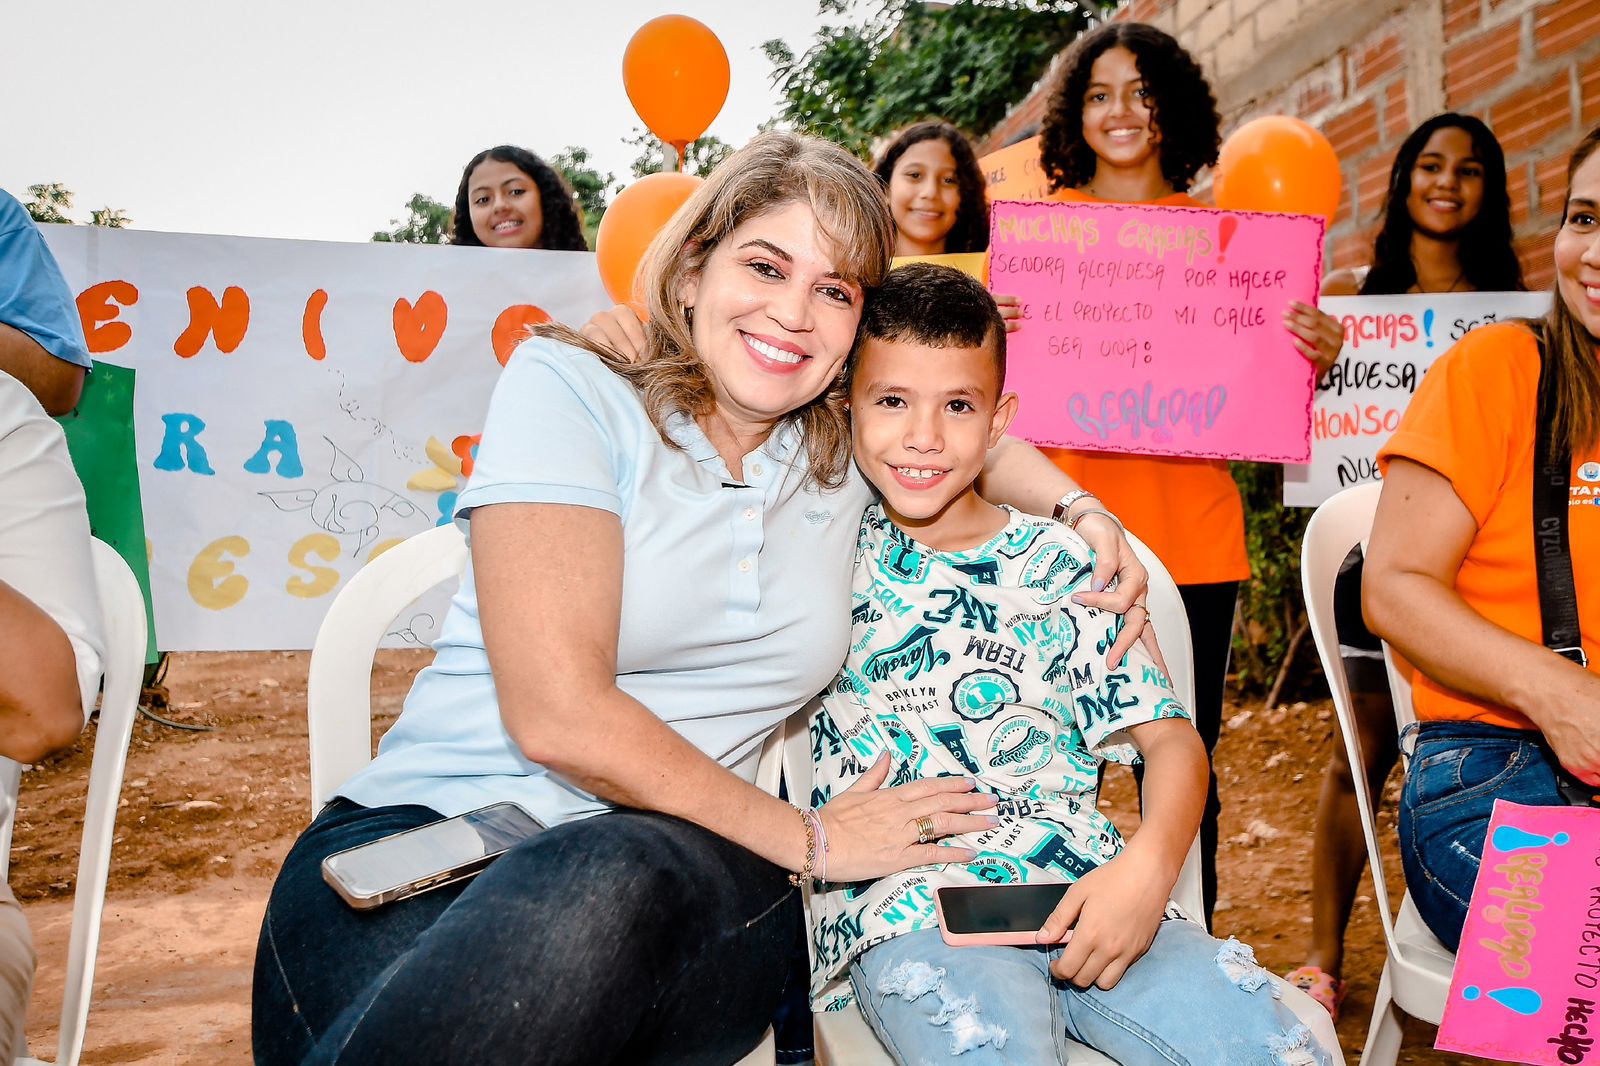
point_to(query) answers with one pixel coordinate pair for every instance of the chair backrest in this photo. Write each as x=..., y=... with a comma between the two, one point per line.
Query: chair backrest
x=339, y=683
x=122, y=607
x=1340, y=524
x=1172, y=628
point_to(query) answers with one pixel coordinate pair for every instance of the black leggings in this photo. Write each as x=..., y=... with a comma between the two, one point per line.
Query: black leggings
x=1210, y=610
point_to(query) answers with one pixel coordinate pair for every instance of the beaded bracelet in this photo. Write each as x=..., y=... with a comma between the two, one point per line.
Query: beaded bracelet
x=803, y=875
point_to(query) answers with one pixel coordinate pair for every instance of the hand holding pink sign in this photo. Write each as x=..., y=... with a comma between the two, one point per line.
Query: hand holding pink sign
x=1157, y=329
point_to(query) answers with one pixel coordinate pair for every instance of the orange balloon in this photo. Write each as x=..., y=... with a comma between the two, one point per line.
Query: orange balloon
x=676, y=74
x=1278, y=163
x=632, y=221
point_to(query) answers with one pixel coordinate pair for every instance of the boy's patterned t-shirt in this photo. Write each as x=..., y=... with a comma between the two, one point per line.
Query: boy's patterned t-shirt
x=976, y=663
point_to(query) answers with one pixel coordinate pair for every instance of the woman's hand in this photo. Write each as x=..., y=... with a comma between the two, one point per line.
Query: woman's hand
x=1570, y=718
x=872, y=830
x=1010, y=312
x=1114, y=558
x=620, y=329
x=1317, y=334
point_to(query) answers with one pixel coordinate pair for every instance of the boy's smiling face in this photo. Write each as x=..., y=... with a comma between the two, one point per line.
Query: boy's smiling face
x=923, y=420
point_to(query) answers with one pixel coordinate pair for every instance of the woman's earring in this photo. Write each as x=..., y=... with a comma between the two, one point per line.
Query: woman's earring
x=688, y=314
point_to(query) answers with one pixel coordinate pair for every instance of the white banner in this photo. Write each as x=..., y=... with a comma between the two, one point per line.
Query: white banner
x=300, y=406
x=1389, y=344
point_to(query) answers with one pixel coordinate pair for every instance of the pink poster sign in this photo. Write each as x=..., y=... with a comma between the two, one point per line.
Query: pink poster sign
x=1158, y=329
x=1527, y=978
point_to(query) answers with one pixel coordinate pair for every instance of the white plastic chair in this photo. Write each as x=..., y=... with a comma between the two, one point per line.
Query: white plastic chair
x=843, y=1037
x=122, y=604
x=1416, y=973
x=339, y=684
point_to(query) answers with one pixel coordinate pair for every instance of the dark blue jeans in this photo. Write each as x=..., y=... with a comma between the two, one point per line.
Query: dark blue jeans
x=631, y=937
x=1458, y=770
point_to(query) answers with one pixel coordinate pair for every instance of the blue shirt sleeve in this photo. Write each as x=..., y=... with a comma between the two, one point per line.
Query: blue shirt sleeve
x=34, y=297
x=551, y=433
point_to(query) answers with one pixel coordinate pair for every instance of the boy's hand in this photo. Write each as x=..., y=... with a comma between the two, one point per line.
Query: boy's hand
x=620, y=329
x=1107, y=920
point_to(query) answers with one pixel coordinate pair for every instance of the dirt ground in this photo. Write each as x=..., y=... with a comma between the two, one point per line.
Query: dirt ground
x=206, y=817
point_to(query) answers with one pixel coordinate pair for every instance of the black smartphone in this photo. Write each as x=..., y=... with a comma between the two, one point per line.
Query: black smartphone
x=430, y=856
x=995, y=914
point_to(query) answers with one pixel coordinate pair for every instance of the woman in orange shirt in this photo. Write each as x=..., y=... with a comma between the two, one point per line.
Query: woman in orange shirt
x=1132, y=120
x=1451, y=580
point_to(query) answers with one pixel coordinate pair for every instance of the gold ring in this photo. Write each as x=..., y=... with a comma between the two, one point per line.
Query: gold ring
x=925, y=830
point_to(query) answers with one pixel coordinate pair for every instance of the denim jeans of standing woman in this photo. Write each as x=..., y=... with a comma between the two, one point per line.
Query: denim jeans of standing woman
x=630, y=937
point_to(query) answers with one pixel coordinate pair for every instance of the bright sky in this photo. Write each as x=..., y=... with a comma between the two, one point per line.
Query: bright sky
x=319, y=118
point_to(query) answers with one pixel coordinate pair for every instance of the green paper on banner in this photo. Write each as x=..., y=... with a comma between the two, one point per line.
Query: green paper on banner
x=100, y=438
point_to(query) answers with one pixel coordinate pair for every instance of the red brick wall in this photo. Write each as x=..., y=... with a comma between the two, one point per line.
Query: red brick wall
x=1529, y=68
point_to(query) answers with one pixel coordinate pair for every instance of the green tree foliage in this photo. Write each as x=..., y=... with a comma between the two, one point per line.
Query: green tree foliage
x=1271, y=605
x=656, y=156
x=888, y=63
x=51, y=202
x=591, y=188
x=427, y=221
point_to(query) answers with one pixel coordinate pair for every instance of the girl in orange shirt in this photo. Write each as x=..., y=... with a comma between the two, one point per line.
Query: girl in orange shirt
x=1451, y=578
x=1132, y=120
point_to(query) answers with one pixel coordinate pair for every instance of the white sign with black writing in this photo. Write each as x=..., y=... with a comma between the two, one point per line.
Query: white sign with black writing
x=1389, y=344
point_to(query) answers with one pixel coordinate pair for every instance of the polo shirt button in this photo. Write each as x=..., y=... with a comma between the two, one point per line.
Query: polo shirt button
x=756, y=470
x=749, y=513
x=744, y=566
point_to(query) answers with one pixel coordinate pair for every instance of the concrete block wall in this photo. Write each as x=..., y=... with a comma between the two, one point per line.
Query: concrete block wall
x=1366, y=72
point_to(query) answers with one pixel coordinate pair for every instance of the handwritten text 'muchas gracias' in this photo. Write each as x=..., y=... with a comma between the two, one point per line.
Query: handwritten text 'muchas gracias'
x=1084, y=233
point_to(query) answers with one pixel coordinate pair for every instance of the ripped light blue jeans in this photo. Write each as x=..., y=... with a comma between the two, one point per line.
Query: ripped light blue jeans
x=1191, y=1000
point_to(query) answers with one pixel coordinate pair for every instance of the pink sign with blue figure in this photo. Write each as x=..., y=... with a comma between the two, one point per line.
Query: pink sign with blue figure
x=1158, y=329
x=1527, y=978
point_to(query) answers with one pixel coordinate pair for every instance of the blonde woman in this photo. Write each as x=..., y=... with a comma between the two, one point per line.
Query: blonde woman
x=660, y=575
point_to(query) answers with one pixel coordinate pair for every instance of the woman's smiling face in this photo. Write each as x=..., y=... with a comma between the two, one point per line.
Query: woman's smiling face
x=773, y=319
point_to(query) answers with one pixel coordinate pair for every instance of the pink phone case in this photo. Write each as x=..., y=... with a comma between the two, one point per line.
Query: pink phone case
x=1008, y=937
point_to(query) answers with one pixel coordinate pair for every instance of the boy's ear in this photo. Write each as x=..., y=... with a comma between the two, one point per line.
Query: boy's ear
x=1004, y=412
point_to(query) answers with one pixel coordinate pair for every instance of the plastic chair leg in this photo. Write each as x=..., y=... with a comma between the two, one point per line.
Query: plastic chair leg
x=1386, y=1029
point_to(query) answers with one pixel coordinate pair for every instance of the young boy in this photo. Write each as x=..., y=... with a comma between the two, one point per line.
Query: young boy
x=969, y=656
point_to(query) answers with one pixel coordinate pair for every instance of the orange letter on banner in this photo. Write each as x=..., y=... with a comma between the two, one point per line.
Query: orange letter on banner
x=511, y=328
x=227, y=320
x=311, y=325
x=417, y=329
x=95, y=307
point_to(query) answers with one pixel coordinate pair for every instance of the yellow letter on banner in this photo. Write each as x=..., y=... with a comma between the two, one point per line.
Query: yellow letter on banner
x=323, y=579
x=212, y=582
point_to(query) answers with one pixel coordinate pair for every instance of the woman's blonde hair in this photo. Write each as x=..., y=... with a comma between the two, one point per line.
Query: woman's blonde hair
x=775, y=169
x=1569, y=347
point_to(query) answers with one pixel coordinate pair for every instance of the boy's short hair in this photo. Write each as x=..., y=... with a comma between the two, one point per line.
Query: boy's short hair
x=937, y=306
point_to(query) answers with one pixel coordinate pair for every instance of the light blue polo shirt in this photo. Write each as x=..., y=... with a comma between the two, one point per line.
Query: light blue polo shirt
x=735, y=595
x=33, y=295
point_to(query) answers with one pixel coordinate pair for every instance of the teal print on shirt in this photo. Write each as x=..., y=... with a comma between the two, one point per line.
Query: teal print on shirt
x=954, y=738
x=1108, y=704
x=974, y=612
x=984, y=573
x=902, y=563
x=1054, y=853
x=1020, y=540
x=979, y=695
x=914, y=654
